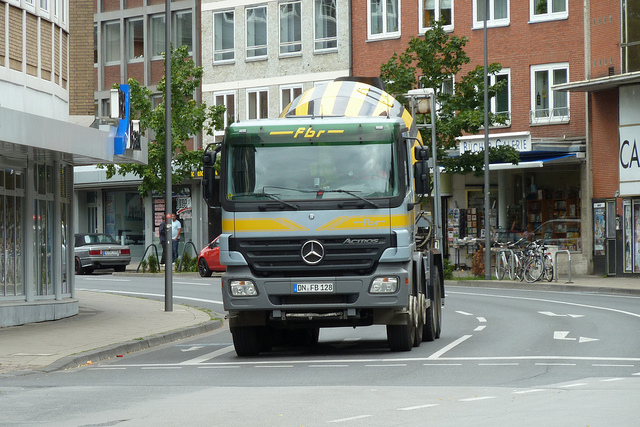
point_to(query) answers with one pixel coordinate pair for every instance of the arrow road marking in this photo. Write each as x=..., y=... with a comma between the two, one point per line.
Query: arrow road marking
x=193, y=348
x=562, y=335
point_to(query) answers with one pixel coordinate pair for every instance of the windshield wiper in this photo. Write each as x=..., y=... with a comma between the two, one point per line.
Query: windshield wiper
x=351, y=193
x=269, y=196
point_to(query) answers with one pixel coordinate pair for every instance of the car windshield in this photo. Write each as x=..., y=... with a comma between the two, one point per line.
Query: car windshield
x=97, y=238
x=312, y=171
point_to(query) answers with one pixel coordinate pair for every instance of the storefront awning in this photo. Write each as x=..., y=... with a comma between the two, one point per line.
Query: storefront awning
x=539, y=160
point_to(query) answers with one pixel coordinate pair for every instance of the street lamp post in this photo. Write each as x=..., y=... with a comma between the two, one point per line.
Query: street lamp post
x=487, y=188
x=168, y=191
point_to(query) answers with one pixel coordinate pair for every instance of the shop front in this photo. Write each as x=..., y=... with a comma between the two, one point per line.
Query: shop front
x=540, y=198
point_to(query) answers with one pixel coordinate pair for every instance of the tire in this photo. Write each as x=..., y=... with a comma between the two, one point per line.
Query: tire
x=203, y=268
x=401, y=337
x=79, y=269
x=247, y=340
x=433, y=322
x=534, y=270
x=548, y=268
x=501, y=266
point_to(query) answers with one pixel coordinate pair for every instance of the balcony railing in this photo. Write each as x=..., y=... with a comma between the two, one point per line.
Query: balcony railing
x=545, y=116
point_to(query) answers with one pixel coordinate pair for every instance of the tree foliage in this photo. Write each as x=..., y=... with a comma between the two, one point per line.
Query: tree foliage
x=188, y=118
x=433, y=60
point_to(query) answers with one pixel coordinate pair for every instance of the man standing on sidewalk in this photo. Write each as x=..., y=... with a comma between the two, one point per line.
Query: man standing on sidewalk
x=176, y=229
x=162, y=232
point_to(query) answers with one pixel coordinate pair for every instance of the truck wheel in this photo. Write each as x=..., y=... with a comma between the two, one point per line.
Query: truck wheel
x=421, y=315
x=434, y=312
x=401, y=337
x=246, y=340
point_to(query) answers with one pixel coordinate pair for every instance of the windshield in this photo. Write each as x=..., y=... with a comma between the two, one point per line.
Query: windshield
x=311, y=171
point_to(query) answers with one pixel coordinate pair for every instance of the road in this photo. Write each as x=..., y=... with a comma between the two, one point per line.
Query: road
x=505, y=357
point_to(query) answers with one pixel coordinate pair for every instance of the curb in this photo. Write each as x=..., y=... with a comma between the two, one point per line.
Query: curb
x=541, y=286
x=115, y=350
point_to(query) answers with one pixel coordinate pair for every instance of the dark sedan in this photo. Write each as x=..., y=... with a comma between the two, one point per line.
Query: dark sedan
x=209, y=259
x=95, y=250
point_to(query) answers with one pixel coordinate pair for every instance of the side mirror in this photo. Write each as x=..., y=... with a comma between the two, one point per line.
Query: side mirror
x=210, y=185
x=421, y=170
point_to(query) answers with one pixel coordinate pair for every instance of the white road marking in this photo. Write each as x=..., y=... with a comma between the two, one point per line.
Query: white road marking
x=574, y=385
x=208, y=356
x=533, y=390
x=150, y=368
x=481, y=319
x=388, y=365
x=342, y=420
x=108, y=291
x=413, y=408
x=585, y=339
x=328, y=366
x=195, y=283
x=552, y=314
x=555, y=364
x=473, y=399
x=464, y=313
x=442, y=351
x=97, y=279
x=499, y=364
x=193, y=348
x=608, y=380
x=608, y=365
x=562, y=335
x=479, y=328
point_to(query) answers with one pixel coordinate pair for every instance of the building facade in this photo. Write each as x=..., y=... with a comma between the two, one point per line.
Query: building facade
x=41, y=139
x=129, y=41
x=549, y=192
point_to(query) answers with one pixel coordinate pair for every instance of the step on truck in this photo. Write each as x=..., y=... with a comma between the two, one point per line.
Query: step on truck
x=322, y=223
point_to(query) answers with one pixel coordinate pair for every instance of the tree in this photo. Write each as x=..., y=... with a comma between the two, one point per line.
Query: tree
x=436, y=57
x=188, y=118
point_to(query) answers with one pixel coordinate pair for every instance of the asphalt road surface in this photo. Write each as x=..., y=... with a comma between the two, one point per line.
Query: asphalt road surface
x=505, y=357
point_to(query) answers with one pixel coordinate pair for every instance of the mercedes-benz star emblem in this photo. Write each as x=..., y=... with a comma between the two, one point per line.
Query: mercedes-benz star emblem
x=312, y=252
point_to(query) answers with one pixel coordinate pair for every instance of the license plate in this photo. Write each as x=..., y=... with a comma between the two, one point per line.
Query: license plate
x=108, y=253
x=312, y=287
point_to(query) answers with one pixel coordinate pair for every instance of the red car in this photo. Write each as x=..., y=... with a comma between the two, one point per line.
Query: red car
x=209, y=259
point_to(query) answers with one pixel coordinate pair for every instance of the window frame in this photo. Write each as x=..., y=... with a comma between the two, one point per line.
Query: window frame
x=153, y=18
x=438, y=12
x=231, y=50
x=328, y=40
x=256, y=47
x=105, y=34
x=493, y=107
x=291, y=89
x=219, y=133
x=491, y=22
x=258, y=91
x=551, y=118
x=385, y=34
x=294, y=43
x=128, y=22
x=548, y=16
x=176, y=16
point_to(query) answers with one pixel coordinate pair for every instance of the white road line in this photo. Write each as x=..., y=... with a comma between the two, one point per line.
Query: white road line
x=274, y=366
x=574, y=385
x=481, y=319
x=473, y=399
x=108, y=291
x=218, y=367
x=328, y=366
x=208, y=356
x=479, y=328
x=195, y=283
x=342, y=420
x=498, y=364
x=442, y=351
x=97, y=279
x=388, y=365
x=464, y=313
x=608, y=380
x=533, y=390
x=413, y=408
x=610, y=365
x=107, y=369
x=442, y=364
x=151, y=368
x=555, y=364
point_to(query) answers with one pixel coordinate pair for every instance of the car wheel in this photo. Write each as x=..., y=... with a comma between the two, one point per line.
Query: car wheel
x=79, y=269
x=203, y=268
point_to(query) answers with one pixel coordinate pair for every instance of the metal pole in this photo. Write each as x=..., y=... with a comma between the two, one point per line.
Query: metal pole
x=487, y=188
x=168, y=191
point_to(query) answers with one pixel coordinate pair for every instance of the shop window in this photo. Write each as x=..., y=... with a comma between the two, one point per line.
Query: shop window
x=554, y=215
x=290, y=28
x=325, y=34
x=223, y=37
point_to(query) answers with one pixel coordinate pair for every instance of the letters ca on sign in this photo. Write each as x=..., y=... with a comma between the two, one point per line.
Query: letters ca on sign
x=629, y=155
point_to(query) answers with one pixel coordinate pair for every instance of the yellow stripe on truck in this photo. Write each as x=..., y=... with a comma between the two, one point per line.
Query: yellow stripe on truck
x=366, y=222
x=260, y=225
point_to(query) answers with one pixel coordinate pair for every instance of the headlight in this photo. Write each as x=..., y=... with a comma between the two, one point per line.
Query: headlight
x=243, y=288
x=384, y=285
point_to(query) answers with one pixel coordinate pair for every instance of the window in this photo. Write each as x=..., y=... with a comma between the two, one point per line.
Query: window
x=548, y=105
x=257, y=104
x=326, y=33
x=228, y=99
x=383, y=18
x=44, y=5
x=288, y=94
x=631, y=37
x=547, y=10
x=112, y=42
x=135, y=39
x=501, y=103
x=184, y=30
x=157, y=35
x=223, y=37
x=498, y=14
x=256, y=32
x=435, y=10
x=290, y=28
x=95, y=44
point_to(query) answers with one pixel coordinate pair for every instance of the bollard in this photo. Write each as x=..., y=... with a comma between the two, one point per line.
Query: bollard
x=564, y=251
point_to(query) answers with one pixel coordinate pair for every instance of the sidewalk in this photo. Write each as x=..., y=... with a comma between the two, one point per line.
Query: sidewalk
x=106, y=326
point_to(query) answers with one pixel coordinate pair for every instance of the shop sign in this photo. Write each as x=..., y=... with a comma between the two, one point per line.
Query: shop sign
x=521, y=141
x=629, y=160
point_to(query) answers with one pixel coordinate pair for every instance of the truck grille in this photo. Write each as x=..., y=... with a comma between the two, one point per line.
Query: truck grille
x=273, y=257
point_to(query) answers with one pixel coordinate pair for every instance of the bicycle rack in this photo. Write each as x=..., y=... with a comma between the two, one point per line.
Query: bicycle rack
x=155, y=249
x=564, y=251
x=499, y=259
x=195, y=251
